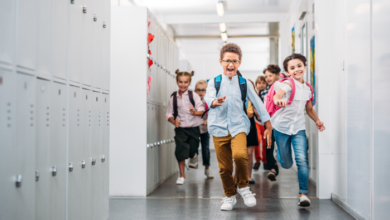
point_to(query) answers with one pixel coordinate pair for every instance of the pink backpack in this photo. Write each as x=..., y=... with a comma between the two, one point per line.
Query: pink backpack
x=270, y=105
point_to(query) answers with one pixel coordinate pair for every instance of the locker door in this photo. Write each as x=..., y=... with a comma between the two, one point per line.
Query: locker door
x=27, y=34
x=58, y=166
x=44, y=38
x=96, y=150
x=74, y=159
x=59, y=38
x=97, y=31
x=106, y=45
x=105, y=157
x=42, y=162
x=76, y=25
x=25, y=147
x=85, y=193
x=7, y=36
x=7, y=150
x=88, y=39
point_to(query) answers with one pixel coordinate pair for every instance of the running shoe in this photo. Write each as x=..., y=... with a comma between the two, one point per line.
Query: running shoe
x=248, y=196
x=257, y=165
x=209, y=174
x=271, y=176
x=251, y=181
x=193, y=162
x=180, y=181
x=228, y=203
x=304, y=201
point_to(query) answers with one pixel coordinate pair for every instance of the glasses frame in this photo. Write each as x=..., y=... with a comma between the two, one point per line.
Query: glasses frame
x=231, y=61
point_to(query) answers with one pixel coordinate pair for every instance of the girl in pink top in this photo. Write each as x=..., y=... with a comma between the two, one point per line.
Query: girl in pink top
x=184, y=112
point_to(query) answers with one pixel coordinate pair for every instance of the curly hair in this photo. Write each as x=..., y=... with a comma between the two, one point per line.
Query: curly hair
x=232, y=48
x=178, y=74
x=273, y=68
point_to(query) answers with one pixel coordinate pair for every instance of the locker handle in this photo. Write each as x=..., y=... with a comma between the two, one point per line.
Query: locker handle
x=72, y=2
x=83, y=164
x=104, y=24
x=70, y=167
x=147, y=145
x=103, y=158
x=84, y=9
x=93, y=160
x=37, y=176
x=158, y=143
x=54, y=171
x=18, y=180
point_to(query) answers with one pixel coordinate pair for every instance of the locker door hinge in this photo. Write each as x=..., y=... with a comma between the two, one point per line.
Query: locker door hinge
x=18, y=180
x=94, y=17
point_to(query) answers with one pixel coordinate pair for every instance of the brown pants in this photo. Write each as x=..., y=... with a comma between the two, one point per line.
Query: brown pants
x=229, y=148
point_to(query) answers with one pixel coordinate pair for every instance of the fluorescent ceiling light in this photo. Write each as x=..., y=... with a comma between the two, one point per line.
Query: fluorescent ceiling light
x=224, y=36
x=220, y=9
x=222, y=27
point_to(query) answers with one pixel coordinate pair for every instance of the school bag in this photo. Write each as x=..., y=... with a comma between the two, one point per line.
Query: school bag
x=241, y=83
x=270, y=105
x=175, y=111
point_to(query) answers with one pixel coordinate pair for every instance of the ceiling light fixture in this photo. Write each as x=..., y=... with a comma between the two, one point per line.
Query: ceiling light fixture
x=224, y=36
x=220, y=9
x=222, y=27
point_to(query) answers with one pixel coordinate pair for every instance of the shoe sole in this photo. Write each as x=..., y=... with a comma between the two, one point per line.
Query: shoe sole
x=304, y=204
x=210, y=177
x=193, y=166
x=271, y=177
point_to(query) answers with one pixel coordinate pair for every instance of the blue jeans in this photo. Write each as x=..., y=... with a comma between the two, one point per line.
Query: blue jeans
x=299, y=144
x=205, y=140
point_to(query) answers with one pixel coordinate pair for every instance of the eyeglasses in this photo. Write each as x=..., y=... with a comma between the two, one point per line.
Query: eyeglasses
x=200, y=90
x=235, y=62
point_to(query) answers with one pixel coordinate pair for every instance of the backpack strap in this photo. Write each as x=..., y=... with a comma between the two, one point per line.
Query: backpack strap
x=292, y=89
x=217, y=83
x=175, y=112
x=191, y=96
x=312, y=93
x=243, y=88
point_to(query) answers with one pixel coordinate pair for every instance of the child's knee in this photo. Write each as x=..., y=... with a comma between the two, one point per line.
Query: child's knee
x=225, y=171
x=240, y=156
x=285, y=165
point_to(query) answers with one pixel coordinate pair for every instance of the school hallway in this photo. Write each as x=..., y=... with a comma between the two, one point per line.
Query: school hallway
x=200, y=198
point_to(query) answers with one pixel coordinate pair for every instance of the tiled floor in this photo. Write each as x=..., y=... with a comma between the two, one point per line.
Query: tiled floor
x=200, y=198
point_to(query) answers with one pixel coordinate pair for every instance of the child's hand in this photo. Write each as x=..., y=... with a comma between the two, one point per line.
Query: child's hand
x=218, y=102
x=192, y=110
x=320, y=125
x=177, y=123
x=281, y=103
x=204, y=122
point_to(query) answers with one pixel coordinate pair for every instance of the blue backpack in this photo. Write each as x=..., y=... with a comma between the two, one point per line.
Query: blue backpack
x=241, y=83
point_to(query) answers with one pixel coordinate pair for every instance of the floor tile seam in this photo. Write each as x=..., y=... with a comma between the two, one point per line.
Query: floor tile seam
x=211, y=198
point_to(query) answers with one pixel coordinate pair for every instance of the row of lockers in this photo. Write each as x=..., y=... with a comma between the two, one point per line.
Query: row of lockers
x=61, y=39
x=160, y=136
x=55, y=151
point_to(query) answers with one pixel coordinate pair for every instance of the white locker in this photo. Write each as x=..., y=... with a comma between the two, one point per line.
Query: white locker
x=59, y=38
x=7, y=27
x=105, y=156
x=76, y=25
x=74, y=153
x=58, y=151
x=42, y=156
x=27, y=34
x=44, y=38
x=96, y=150
x=25, y=145
x=8, y=170
x=86, y=206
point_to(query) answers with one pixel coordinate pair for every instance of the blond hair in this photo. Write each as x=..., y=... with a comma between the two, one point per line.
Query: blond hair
x=179, y=74
x=203, y=82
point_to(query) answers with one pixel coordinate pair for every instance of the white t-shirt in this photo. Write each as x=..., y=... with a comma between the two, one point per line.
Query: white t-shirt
x=291, y=119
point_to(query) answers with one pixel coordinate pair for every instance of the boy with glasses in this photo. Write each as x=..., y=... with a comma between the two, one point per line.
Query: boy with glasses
x=229, y=125
x=200, y=89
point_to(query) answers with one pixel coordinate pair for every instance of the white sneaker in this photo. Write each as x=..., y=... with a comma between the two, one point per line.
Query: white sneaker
x=180, y=181
x=193, y=162
x=209, y=174
x=248, y=196
x=304, y=201
x=228, y=203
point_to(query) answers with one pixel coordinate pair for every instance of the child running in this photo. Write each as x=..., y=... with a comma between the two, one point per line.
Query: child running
x=289, y=121
x=184, y=111
x=229, y=124
x=260, y=149
x=200, y=89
